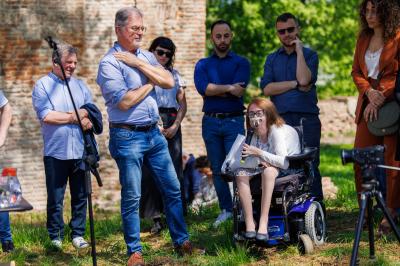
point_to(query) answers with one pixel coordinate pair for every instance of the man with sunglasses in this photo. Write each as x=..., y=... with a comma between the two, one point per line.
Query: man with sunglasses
x=127, y=76
x=221, y=79
x=290, y=74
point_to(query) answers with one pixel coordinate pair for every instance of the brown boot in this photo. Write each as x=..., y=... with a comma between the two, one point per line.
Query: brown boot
x=136, y=259
x=187, y=249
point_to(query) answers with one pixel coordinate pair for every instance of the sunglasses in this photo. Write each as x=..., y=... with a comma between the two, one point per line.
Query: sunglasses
x=289, y=30
x=162, y=52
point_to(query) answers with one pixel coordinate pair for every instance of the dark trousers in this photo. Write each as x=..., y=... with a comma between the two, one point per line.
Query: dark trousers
x=58, y=173
x=151, y=205
x=5, y=229
x=312, y=137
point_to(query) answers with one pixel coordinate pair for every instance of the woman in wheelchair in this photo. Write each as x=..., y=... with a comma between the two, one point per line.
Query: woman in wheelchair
x=271, y=142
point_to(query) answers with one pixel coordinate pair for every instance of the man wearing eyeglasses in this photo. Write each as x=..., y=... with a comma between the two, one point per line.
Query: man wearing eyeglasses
x=126, y=76
x=290, y=74
x=221, y=79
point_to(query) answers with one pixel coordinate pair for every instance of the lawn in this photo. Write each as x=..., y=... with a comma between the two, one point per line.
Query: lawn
x=33, y=246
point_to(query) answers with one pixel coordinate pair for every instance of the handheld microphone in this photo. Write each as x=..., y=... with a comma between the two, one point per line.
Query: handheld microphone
x=247, y=141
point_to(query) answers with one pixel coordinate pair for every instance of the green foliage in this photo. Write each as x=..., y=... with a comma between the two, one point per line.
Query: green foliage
x=327, y=26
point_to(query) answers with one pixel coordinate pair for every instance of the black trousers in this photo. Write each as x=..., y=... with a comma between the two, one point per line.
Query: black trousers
x=151, y=205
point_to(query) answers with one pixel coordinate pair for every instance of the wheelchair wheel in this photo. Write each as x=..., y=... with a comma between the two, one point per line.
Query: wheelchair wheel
x=306, y=245
x=315, y=223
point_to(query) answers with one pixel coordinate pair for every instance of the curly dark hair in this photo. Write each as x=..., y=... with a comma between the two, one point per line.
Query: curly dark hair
x=388, y=13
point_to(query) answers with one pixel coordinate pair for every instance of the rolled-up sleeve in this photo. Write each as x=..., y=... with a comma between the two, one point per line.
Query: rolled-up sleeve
x=268, y=75
x=40, y=101
x=201, y=78
x=111, y=81
x=312, y=63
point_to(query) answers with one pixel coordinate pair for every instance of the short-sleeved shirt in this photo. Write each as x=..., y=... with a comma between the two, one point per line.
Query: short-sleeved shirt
x=3, y=99
x=116, y=78
x=50, y=93
x=221, y=71
x=166, y=98
x=280, y=66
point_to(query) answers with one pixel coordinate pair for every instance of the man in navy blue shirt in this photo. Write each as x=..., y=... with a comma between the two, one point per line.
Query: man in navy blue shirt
x=221, y=79
x=290, y=74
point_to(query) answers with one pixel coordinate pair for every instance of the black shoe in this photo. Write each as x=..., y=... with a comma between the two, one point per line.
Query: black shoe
x=262, y=237
x=7, y=246
x=250, y=234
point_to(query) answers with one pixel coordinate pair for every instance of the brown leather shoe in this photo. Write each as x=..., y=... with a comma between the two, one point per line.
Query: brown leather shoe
x=187, y=249
x=136, y=259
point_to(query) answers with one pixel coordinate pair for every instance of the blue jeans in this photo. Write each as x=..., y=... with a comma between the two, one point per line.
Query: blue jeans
x=219, y=136
x=312, y=137
x=58, y=173
x=5, y=229
x=130, y=149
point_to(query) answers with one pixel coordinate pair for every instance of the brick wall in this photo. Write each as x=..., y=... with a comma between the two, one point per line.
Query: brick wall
x=87, y=24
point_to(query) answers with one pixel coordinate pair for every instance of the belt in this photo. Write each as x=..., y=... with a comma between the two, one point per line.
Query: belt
x=165, y=110
x=132, y=127
x=224, y=115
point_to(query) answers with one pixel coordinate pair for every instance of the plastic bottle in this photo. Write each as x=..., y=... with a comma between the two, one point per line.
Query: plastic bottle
x=11, y=188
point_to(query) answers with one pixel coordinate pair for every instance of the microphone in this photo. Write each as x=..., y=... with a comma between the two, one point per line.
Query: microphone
x=247, y=141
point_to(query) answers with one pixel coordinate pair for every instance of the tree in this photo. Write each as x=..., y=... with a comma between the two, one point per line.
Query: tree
x=328, y=26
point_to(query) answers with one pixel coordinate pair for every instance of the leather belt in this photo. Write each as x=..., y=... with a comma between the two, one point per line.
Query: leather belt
x=224, y=115
x=165, y=110
x=132, y=127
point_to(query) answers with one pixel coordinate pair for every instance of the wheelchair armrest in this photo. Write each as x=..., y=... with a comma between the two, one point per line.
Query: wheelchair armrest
x=308, y=154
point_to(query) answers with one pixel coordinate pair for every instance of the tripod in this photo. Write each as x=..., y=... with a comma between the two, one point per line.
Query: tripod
x=370, y=192
x=89, y=159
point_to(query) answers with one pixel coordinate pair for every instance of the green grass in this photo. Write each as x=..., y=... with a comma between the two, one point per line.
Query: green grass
x=33, y=245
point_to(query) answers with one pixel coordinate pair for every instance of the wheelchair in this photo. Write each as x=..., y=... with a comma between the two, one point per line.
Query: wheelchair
x=295, y=217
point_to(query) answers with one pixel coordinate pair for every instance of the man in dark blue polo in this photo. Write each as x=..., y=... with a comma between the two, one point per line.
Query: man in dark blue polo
x=221, y=79
x=290, y=74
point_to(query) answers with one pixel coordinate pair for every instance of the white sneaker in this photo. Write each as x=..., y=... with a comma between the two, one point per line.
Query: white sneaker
x=79, y=242
x=222, y=217
x=57, y=243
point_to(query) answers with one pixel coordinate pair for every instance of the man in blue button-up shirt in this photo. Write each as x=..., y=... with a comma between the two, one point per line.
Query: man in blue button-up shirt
x=127, y=75
x=221, y=79
x=290, y=74
x=63, y=144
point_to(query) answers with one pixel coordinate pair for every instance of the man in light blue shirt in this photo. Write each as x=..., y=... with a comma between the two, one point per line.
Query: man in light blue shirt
x=5, y=121
x=127, y=76
x=63, y=144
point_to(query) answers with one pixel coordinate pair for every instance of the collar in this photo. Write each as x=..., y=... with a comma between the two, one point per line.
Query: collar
x=56, y=78
x=282, y=50
x=229, y=54
x=119, y=48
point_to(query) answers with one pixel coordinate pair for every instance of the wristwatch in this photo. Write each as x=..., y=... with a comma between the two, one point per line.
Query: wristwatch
x=297, y=83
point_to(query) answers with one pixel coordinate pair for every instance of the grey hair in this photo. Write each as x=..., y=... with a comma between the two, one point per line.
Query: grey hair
x=63, y=48
x=122, y=15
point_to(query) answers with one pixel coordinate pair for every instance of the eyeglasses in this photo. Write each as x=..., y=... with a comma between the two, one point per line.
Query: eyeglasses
x=162, y=52
x=258, y=113
x=136, y=29
x=289, y=30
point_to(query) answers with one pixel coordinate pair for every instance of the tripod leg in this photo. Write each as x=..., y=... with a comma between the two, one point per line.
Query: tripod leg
x=91, y=220
x=371, y=229
x=364, y=196
x=385, y=210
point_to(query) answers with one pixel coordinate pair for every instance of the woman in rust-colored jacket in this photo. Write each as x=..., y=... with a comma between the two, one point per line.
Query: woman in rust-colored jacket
x=374, y=73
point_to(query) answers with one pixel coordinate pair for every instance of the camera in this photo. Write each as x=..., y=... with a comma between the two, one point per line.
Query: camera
x=373, y=155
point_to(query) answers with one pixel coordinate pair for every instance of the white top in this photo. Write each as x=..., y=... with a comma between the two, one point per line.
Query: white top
x=372, y=62
x=3, y=99
x=167, y=97
x=282, y=141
